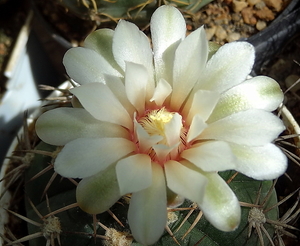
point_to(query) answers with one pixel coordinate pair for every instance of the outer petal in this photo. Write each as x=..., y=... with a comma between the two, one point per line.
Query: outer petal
x=132, y=45
x=147, y=214
x=168, y=28
x=220, y=205
x=62, y=125
x=99, y=192
x=228, y=67
x=87, y=66
x=101, y=42
x=260, y=92
x=184, y=181
x=211, y=156
x=134, y=173
x=101, y=103
x=263, y=162
x=190, y=60
x=84, y=157
x=252, y=128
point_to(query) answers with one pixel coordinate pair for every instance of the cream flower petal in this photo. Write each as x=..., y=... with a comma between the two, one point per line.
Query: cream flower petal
x=260, y=92
x=145, y=140
x=220, y=205
x=184, y=181
x=228, y=67
x=84, y=157
x=134, y=173
x=136, y=85
x=83, y=64
x=196, y=127
x=262, y=162
x=162, y=151
x=101, y=42
x=253, y=127
x=116, y=85
x=173, y=130
x=147, y=214
x=161, y=92
x=96, y=194
x=132, y=45
x=168, y=28
x=62, y=125
x=203, y=104
x=190, y=60
x=211, y=156
x=101, y=103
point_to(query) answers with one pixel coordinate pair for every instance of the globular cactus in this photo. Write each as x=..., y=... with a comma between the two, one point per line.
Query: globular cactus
x=140, y=10
x=51, y=205
x=75, y=19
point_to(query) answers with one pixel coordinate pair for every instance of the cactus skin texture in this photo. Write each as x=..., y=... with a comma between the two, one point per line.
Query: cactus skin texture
x=138, y=10
x=77, y=226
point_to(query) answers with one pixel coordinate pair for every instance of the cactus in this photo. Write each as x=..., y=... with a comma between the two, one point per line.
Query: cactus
x=134, y=9
x=53, y=216
x=75, y=19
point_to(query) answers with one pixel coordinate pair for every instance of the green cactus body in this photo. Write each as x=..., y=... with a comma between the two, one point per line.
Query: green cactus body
x=74, y=20
x=132, y=9
x=77, y=226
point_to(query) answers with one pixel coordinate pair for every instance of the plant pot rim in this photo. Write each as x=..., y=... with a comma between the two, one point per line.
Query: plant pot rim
x=5, y=200
x=291, y=124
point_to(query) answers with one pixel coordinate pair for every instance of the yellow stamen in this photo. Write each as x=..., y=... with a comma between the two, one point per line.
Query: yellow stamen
x=154, y=122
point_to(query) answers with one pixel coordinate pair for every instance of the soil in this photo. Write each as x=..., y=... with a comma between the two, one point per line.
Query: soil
x=229, y=20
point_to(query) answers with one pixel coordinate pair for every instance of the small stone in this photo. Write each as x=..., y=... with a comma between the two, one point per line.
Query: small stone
x=260, y=25
x=253, y=21
x=247, y=14
x=265, y=14
x=291, y=80
x=253, y=2
x=236, y=17
x=233, y=37
x=237, y=6
x=274, y=4
x=210, y=32
x=260, y=5
x=221, y=34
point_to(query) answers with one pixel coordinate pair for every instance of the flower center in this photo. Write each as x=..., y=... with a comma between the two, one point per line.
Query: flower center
x=155, y=122
x=167, y=135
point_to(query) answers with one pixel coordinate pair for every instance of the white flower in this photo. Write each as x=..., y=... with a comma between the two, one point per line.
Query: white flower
x=160, y=123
